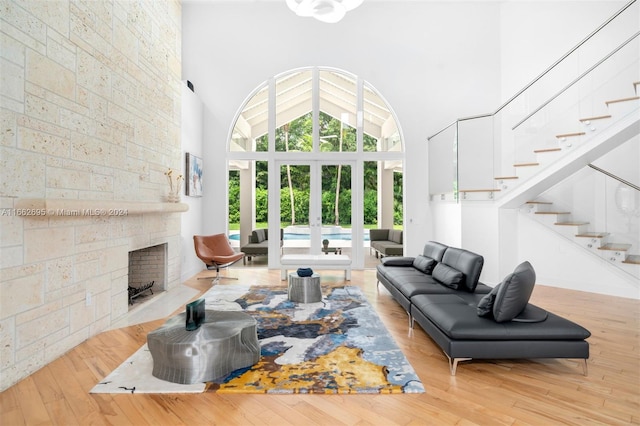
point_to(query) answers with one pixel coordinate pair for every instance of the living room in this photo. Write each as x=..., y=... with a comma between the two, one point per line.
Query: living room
x=92, y=104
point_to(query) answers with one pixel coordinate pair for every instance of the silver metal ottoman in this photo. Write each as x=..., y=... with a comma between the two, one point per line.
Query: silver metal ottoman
x=226, y=341
x=304, y=289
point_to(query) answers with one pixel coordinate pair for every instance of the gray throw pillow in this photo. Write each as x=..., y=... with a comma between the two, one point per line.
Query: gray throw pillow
x=485, y=305
x=447, y=276
x=260, y=235
x=514, y=293
x=424, y=264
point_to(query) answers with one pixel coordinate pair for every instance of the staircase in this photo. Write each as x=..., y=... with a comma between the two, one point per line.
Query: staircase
x=548, y=133
x=573, y=150
x=599, y=243
x=566, y=144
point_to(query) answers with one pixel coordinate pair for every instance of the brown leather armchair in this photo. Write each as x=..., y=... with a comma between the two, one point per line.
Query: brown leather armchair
x=216, y=252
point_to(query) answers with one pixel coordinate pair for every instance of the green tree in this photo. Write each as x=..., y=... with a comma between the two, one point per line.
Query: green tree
x=234, y=196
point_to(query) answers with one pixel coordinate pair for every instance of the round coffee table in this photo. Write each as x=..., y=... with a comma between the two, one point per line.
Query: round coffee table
x=226, y=341
x=304, y=289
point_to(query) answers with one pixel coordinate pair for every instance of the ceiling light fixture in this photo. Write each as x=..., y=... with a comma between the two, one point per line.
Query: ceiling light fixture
x=329, y=11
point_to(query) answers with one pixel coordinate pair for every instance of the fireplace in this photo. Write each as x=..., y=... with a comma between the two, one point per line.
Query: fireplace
x=147, y=273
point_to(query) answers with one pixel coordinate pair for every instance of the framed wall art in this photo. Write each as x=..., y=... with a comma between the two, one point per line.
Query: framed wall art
x=193, y=185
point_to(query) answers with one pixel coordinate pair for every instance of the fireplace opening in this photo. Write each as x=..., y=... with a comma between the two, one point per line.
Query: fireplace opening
x=147, y=273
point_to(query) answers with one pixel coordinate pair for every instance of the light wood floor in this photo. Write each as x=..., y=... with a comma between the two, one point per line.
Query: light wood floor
x=536, y=392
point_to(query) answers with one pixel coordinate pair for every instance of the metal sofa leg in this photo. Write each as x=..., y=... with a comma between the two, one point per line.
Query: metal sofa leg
x=585, y=369
x=453, y=363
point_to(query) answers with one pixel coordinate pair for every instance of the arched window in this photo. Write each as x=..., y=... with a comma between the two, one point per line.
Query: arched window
x=331, y=147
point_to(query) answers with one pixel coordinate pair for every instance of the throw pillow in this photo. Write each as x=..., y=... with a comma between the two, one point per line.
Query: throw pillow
x=485, y=305
x=424, y=264
x=259, y=235
x=447, y=276
x=514, y=293
x=395, y=235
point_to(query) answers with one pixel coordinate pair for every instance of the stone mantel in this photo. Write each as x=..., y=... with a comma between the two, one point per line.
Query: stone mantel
x=69, y=207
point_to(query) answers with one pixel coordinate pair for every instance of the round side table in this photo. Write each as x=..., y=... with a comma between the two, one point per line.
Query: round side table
x=304, y=289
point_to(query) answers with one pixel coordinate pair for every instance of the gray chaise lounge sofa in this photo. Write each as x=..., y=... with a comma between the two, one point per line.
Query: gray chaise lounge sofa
x=386, y=242
x=469, y=320
x=258, y=244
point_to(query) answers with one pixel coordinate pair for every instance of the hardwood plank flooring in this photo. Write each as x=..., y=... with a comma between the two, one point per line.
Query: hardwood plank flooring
x=501, y=392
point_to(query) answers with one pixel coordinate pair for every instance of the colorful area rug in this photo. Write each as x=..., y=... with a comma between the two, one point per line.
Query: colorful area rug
x=338, y=345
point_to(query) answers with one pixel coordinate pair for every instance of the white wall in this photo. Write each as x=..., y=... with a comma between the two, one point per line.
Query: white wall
x=431, y=61
x=537, y=33
x=559, y=264
x=191, y=221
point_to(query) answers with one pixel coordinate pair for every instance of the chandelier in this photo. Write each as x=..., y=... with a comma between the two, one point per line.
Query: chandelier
x=330, y=11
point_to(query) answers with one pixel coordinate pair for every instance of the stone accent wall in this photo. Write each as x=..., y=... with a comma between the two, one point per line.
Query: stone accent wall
x=90, y=110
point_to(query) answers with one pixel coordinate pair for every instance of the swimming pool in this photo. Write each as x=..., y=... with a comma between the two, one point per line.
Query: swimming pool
x=290, y=236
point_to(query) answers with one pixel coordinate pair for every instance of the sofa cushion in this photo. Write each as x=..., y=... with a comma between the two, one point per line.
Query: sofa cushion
x=256, y=249
x=448, y=276
x=424, y=264
x=469, y=263
x=455, y=315
x=378, y=234
x=397, y=261
x=388, y=248
x=434, y=250
x=485, y=305
x=410, y=281
x=395, y=236
x=258, y=236
x=514, y=293
x=412, y=288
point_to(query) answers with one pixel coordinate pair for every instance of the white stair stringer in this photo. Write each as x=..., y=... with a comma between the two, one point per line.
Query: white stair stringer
x=532, y=179
x=596, y=243
x=580, y=156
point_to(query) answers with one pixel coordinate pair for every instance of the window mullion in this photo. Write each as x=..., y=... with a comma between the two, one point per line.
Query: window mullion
x=359, y=115
x=315, y=114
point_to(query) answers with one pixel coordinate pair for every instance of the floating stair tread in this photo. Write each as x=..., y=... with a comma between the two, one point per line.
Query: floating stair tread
x=615, y=247
x=569, y=135
x=553, y=213
x=526, y=164
x=539, y=151
x=571, y=223
x=592, y=235
x=479, y=190
x=598, y=117
x=632, y=259
x=615, y=101
x=538, y=202
x=505, y=177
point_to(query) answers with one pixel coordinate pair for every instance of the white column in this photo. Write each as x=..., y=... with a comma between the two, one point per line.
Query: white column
x=247, y=201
